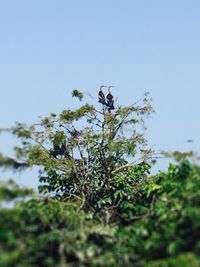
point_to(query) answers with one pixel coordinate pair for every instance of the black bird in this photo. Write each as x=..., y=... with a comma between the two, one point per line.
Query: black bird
x=110, y=99
x=190, y=140
x=102, y=98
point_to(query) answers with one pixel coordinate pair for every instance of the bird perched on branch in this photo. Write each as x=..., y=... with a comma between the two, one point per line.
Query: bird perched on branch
x=102, y=98
x=110, y=99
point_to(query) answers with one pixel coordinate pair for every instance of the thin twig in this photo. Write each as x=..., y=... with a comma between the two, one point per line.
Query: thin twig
x=129, y=165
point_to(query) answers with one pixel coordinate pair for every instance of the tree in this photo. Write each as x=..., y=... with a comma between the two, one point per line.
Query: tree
x=90, y=155
x=102, y=208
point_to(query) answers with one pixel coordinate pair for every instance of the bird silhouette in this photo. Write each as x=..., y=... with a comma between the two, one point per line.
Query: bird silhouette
x=110, y=99
x=190, y=140
x=102, y=98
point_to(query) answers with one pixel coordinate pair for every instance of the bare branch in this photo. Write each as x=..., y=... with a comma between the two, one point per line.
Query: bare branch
x=146, y=156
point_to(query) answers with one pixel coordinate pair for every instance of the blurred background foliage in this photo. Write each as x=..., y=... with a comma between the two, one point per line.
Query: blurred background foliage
x=40, y=231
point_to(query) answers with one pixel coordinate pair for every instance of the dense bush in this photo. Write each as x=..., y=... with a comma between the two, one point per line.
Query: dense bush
x=165, y=231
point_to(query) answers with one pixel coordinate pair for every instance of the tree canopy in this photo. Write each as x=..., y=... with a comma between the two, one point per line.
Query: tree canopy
x=98, y=204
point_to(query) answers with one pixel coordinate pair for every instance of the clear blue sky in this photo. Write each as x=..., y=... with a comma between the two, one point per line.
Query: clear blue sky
x=48, y=48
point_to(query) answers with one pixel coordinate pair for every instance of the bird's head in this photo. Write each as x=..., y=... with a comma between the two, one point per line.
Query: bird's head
x=109, y=88
x=102, y=86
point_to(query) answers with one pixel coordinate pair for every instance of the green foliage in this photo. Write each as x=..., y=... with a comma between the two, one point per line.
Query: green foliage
x=48, y=233
x=165, y=230
x=78, y=94
x=10, y=163
x=100, y=205
x=179, y=156
x=85, y=154
x=10, y=191
x=162, y=227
